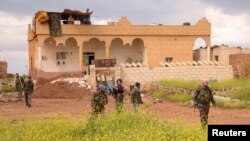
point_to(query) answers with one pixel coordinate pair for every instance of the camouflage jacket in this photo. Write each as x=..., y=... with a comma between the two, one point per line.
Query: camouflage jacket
x=201, y=90
x=136, y=96
x=119, y=89
x=99, y=100
x=28, y=87
x=18, y=84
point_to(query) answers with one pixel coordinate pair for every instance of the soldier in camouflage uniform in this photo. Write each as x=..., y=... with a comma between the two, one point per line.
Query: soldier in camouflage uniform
x=28, y=89
x=136, y=96
x=202, y=98
x=118, y=93
x=100, y=99
x=18, y=86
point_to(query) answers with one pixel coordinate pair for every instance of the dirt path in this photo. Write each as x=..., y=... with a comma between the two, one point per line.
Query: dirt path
x=79, y=107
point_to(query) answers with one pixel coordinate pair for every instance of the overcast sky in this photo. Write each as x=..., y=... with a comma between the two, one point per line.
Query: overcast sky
x=230, y=19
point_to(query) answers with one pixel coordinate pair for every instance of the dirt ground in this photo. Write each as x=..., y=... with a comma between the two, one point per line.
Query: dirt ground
x=79, y=107
x=61, y=90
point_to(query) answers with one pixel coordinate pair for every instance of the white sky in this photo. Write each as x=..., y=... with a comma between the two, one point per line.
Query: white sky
x=230, y=19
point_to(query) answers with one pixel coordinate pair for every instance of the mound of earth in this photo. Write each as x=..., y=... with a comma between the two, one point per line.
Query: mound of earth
x=61, y=90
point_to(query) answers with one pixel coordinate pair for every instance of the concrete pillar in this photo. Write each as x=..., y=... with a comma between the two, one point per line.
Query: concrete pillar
x=39, y=58
x=107, y=52
x=208, y=53
x=145, y=55
x=81, y=58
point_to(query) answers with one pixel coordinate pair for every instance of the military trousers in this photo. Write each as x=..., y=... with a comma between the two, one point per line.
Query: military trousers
x=204, y=110
x=28, y=99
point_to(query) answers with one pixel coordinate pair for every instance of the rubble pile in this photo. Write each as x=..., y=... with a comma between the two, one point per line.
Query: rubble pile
x=9, y=97
x=69, y=88
x=81, y=81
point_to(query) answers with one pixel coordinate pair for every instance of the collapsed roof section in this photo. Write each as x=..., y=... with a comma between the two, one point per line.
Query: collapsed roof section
x=67, y=17
x=43, y=16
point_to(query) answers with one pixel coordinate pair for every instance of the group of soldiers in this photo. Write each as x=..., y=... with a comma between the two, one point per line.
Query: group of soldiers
x=202, y=97
x=100, y=98
x=26, y=87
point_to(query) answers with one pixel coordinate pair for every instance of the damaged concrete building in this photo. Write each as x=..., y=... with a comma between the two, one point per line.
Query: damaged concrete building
x=68, y=43
x=218, y=53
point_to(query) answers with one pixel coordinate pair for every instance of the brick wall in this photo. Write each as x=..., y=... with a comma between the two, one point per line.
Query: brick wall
x=146, y=75
x=3, y=69
x=200, y=54
x=239, y=62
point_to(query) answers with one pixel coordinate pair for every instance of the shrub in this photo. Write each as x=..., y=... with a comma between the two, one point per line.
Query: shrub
x=8, y=89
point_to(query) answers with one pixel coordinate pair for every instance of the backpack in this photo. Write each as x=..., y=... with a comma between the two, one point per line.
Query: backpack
x=204, y=96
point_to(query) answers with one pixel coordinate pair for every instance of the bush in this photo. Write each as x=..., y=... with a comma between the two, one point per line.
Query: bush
x=124, y=127
x=8, y=89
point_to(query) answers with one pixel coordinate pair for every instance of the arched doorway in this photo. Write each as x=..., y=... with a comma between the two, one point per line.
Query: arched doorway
x=117, y=50
x=137, y=50
x=129, y=53
x=199, y=43
x=46, y=55
x=61, y=58
x=199, y=49
x=93, y=49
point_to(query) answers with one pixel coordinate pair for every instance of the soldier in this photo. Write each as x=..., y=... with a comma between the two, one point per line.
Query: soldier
x=19, y=86
x=118, y=93
x=100, y=99
x=136, y=96
x=28, y=89
x=202, y=98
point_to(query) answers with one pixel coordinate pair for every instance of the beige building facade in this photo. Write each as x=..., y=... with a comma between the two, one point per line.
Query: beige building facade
x=219, y=53
x=79, y=44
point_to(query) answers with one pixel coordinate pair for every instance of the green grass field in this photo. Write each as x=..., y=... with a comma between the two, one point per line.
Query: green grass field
x=120, y=127
x=242, y=92
x=8, y=89
x=182, y=98
x=243, y=82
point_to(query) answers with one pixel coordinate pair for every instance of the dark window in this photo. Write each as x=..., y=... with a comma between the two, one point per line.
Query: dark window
x=216, y=58
x=61, y=56
x=169, y=59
